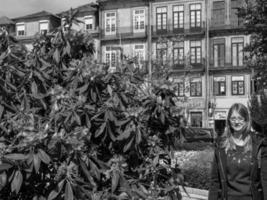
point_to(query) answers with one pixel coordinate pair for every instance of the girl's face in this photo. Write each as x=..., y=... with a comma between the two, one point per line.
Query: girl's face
x=238, y=122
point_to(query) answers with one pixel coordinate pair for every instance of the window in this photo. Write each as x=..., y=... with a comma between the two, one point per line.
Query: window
x=139, y=20
x=110, y=23
x=196, y=119
x=195, y=52
x=219, y=86
x=111, y=56
x=219, y=52
x=218, y=13
x=237, y=51
x=88, y=21
x=195, y=15
x=139, y=51
x=178, y=53
x=161, y=52
x=161, y=19
x=180, y=89
x=234, y=19
x=20, y=29
x=238, y=85
x=195, y=87
x=178, y=17
x=43, y=25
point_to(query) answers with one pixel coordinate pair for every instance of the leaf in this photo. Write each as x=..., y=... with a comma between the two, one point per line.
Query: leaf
x=77, y=118
x=5, y=166
x=43, y=156
x=100, y=130
x=94, y=170
x=109, y=90
x=34, y=88
x=68, y=192
x=125, y=134
x=16, y=156
x=36, y=162
x=3, y=180
x=83, y=88
x=56, y=56
x=16, y=182
x=128, y=146
x=53, y=194
x=115, y=180
x=162, y=118
x=1, y=111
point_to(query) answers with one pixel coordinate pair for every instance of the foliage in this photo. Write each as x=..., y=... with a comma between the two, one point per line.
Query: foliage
x=258, y=110
x=196, y=166
x=71, y=130
x=255, y=18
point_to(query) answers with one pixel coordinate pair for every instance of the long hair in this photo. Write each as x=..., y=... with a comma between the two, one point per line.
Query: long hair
x=228, y=142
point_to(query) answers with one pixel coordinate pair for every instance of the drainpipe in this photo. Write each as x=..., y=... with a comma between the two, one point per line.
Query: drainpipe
x=207, y=99
x=149, y=45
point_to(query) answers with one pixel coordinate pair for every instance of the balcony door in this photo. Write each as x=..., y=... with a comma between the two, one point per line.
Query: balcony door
x=110, y=23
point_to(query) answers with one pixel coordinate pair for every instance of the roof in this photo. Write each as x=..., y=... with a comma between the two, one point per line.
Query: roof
x=36, y=15
x=91, y=7
x=5, y=21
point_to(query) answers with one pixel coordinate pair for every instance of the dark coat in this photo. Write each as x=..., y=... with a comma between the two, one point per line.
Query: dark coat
x=258, y=174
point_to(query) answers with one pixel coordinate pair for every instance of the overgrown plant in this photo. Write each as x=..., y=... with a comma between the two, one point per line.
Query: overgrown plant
x=71, y=130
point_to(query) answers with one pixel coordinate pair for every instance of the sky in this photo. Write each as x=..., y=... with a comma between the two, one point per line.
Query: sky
x=18, y=8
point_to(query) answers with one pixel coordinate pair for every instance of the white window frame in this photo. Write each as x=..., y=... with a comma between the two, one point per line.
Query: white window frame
x=113, y=21
x=139, y=20
x=237, y=45
x=46, y=22
x=178, y=16
x=86, y=19
x=139, y=51
x=110, y=52
x=22, y=29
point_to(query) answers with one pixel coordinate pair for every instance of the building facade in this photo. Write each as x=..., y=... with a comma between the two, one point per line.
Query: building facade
x=230, y=79
x=200, y=41
x=26, y=27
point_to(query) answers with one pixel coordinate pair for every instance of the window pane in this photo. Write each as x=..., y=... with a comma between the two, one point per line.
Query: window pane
x=234, y=54
x=234, y=88
x=240, y=54
x=216, y=57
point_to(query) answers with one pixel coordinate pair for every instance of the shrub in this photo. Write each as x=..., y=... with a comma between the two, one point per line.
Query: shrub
x=71, y=130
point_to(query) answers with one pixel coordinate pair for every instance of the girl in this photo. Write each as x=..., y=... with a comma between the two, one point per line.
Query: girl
x=239, y=168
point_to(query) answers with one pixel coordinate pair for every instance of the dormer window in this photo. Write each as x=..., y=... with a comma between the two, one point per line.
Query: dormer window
x=20, y=29
x=44, y=26
x=89, y=23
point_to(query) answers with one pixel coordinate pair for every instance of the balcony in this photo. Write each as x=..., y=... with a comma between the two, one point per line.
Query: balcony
x=227, y=67
x=181, y=67
x=234, y=26
x=170, y=30
x=123, y=33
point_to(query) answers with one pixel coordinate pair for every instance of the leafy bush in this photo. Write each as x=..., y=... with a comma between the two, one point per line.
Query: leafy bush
x=196, y=167
x=69, y=129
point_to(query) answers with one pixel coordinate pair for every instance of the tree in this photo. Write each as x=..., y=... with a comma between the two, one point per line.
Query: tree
x=255, y=21
x=71, y=130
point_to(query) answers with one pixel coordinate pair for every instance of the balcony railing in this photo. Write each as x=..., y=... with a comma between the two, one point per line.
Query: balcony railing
x=181, y=66
x=234, y=24
x=123, y=32
x=170, y=29
x=226, y=66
